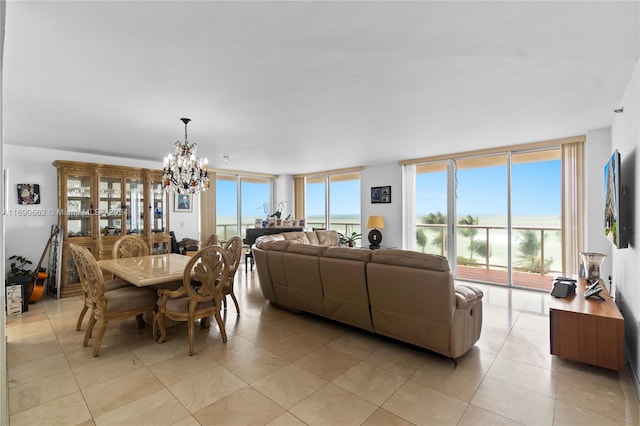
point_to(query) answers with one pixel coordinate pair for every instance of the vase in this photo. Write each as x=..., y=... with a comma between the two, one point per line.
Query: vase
x=591, y=264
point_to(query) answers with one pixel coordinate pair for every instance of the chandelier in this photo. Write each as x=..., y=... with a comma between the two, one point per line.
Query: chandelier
x=184, y=172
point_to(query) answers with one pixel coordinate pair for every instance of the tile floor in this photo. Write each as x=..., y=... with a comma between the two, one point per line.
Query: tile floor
x=281, y=368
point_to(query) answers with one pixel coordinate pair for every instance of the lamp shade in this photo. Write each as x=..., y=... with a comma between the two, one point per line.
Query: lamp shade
x=375, y=222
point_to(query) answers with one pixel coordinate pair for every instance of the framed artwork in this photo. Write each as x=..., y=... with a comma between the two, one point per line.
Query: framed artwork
x=272, y=223
x=302, y=223
x=182, y=203
x=287, y=223
x=28, y=193
x=380, y=194
x=258, y=223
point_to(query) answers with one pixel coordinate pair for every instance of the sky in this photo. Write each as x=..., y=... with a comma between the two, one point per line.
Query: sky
x=480, y=191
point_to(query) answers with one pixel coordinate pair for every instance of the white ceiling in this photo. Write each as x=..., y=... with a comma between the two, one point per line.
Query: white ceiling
x=291, y=87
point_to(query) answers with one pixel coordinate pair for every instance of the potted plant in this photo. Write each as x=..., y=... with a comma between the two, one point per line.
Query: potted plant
x=349, y=240
x=17, y=269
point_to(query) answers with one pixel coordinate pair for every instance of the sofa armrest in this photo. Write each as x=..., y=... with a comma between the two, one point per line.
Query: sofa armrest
x=467, y=296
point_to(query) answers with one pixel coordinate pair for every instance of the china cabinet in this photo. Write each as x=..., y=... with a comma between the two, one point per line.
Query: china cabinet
x=98, y=203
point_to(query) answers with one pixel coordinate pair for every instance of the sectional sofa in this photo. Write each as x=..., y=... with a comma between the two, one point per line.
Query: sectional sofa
x=402, y=294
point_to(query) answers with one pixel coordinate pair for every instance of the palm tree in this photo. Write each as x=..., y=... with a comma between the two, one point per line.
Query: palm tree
x=529, y=248
x=469, y=233
x=421, y=239
x=439, y=219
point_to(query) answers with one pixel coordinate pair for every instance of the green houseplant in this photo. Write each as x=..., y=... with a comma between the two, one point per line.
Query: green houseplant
x=17, y=268
x=18, y=272
x=349, y=240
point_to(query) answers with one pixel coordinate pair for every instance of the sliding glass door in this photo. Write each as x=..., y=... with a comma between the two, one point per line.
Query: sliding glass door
x=536, y=217
x=496, y=217
x=482, y=239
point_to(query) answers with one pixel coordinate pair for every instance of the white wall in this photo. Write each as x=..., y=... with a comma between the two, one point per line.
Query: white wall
x=625, y=136
x=597, y=153
x=382, y=175
x=27, y=235
x=283, y=191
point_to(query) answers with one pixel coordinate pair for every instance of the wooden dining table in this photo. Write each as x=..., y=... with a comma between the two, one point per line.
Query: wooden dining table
x=143, y=271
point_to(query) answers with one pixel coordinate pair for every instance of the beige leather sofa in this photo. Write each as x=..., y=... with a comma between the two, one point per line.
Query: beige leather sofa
x=401, y=294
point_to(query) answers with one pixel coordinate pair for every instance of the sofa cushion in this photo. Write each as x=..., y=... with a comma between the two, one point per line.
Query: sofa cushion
x=312, y=237
x=411, y=259
x=310, y=249
x=278, y=245
x=362, y=254
x=328, y=238
x=264, y=241
x=298, y=236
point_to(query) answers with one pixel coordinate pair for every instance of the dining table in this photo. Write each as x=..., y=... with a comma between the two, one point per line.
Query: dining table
x=143, y=271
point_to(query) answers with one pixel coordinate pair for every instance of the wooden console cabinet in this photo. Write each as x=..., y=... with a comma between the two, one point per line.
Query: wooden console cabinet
x=587, y=330
x=99, y=203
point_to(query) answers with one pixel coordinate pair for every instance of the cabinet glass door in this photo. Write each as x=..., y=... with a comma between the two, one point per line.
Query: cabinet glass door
x=135, y=206
x=158, y=208
x=79, y=206
x=110, y=196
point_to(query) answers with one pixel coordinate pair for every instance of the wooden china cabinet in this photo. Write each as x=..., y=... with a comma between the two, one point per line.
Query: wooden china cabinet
x=99, y=203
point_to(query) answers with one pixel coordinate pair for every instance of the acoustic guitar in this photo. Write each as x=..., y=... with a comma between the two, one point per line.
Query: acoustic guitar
x=37, y=283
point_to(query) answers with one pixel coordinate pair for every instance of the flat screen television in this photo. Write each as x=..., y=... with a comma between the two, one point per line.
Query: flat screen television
x=615, y=223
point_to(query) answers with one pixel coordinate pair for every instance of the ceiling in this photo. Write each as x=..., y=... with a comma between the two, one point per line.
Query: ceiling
x=295, y=87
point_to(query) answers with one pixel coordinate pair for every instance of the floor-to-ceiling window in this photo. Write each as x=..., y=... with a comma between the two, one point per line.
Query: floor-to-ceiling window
x=431, y=208
x=504, y=209
x=481, y=197
x=240, y=202
x=315, y=192
x=536, y=216
x=332, y=201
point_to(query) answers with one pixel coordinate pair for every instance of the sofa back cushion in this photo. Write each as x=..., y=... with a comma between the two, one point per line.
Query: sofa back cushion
x=360, y=254
x=411, y=259
x=309, y=249
x=300, y=237
x=264, y=241
x=328, y=238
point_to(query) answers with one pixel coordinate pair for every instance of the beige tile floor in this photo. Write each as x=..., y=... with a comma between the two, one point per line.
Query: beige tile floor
x=281, y=368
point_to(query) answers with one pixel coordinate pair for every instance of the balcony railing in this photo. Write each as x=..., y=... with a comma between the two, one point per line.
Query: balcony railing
x=497, y=252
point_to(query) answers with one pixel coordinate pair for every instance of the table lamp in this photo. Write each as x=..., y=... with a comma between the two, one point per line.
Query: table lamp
x=375, y=236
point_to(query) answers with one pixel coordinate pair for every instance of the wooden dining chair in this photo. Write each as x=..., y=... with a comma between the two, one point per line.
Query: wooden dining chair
x=129, y=246
x=200, y=296
x=116, y=304
x=233, y=247
x=212, y=241
x=88, y=303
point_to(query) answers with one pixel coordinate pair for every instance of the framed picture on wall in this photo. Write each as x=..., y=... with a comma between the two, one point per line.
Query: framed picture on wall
x=28, y=193
x=380, y=194
x=182, y=203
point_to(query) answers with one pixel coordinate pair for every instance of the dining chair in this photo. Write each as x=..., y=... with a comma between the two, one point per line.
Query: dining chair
x=212, y=241
x=129, y=246
x=200, y=296
x=233, y=247
x=108, y=286
x=115, y=304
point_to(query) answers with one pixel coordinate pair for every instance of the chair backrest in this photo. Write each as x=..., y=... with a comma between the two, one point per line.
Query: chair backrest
x=233, y=247
x=89, y=272
x=205, y=274
x=212, y=240
x=130, y=246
